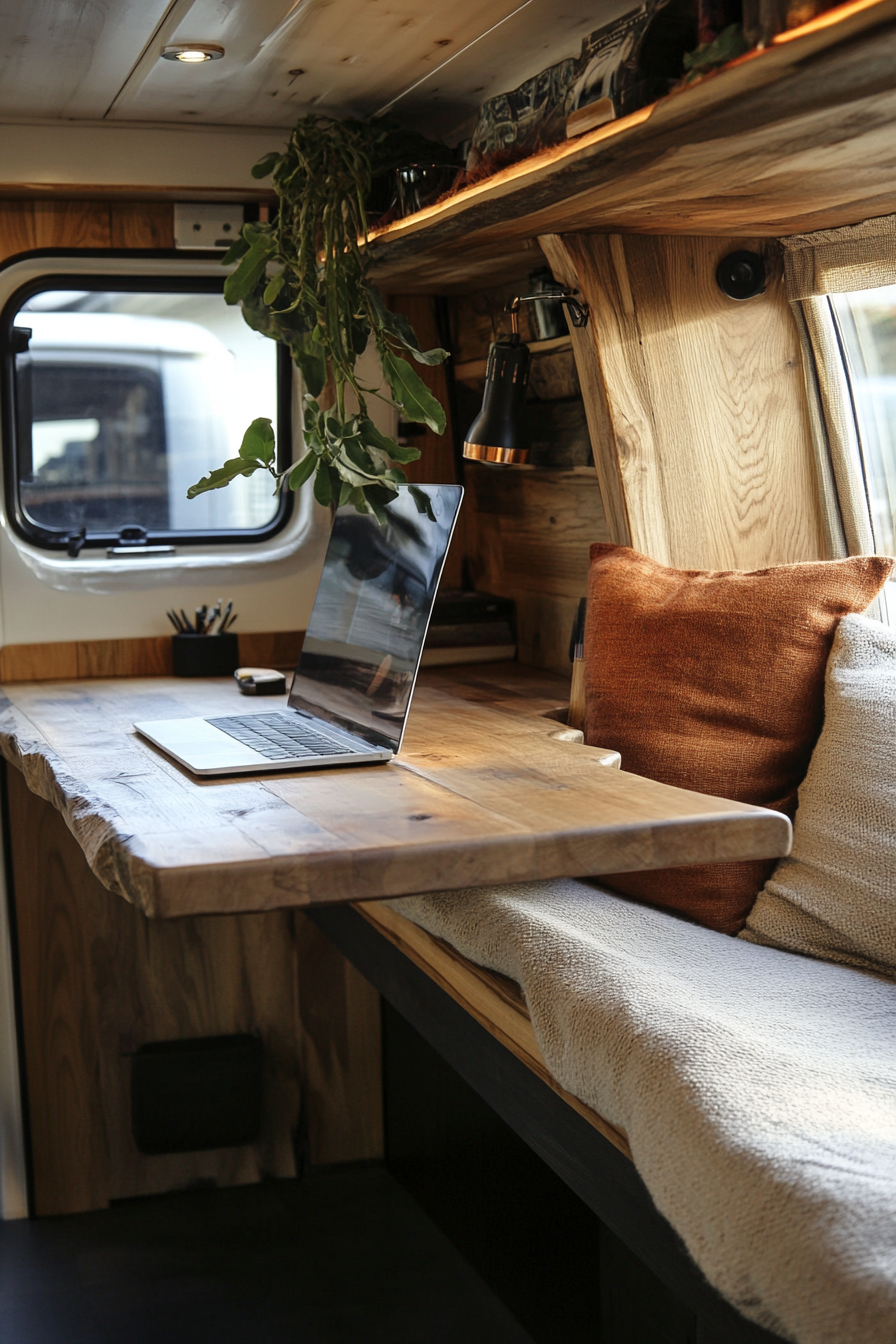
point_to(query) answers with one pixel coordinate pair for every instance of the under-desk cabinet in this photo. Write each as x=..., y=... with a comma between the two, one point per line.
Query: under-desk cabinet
x=97, y=980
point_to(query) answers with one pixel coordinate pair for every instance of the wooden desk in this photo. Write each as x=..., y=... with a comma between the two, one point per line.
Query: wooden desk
x=483, y=792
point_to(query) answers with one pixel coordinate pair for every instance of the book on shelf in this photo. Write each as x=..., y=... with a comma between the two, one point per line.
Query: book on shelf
x=470, y=628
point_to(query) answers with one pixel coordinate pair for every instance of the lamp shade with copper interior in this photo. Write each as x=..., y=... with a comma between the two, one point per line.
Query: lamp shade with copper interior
x=499, y=433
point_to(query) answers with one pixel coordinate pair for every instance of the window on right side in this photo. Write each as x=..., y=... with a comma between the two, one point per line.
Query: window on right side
x=866, y=324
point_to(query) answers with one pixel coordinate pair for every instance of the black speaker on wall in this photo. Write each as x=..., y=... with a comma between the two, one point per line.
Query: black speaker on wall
x=741, y=275
x=201, y=1093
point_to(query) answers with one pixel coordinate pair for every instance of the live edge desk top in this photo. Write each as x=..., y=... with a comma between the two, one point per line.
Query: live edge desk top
x=481, y=793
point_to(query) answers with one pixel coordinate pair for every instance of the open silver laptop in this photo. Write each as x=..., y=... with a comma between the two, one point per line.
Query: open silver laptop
x=352, y=689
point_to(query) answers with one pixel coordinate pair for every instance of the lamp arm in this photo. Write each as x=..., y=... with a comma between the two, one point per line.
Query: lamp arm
x=578, y=312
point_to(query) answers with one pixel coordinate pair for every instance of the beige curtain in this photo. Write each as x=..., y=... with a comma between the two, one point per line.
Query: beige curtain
x=836, y=261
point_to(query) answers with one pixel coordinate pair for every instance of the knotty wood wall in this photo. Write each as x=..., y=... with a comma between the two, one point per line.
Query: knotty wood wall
x=696, y=402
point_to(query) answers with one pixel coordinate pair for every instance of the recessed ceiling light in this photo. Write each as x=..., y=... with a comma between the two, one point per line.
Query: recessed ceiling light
x=192, y=53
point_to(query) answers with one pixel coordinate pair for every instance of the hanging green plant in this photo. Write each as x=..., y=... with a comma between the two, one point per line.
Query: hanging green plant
x=302, y=279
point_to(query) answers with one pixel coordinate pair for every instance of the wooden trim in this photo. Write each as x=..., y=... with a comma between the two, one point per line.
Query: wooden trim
x=494, y=1001
x=149, y=656
x=134, y=192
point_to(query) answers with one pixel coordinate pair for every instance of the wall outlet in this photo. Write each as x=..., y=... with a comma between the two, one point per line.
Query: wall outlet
x=211, y=227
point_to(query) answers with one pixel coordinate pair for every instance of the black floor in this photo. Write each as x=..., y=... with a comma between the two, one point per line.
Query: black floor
x=341, y=1258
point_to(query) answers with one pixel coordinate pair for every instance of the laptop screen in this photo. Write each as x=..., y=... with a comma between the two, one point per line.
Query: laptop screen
x=376, y=593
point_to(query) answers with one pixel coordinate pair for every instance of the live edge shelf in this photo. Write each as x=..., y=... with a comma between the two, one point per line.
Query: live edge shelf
x=483, y=792
x=793, y=138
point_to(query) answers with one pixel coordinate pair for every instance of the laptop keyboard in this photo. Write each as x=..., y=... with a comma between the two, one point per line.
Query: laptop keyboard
x=281, y=737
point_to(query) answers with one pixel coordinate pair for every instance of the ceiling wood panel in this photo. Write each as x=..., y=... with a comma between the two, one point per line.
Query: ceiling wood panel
x=68, y=58
x=356, y=56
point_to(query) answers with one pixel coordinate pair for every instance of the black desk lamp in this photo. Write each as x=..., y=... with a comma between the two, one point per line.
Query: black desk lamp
x=499, y=434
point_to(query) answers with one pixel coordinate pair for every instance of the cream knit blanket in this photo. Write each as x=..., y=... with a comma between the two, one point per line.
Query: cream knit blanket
x=757, y=1089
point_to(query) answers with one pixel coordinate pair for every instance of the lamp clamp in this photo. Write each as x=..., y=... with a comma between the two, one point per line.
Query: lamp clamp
x=578, y=312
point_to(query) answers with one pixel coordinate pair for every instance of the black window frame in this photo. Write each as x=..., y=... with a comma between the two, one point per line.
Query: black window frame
x=124, y=282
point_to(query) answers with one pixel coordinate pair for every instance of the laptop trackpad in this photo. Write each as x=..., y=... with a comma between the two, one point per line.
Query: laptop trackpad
x=204, y=745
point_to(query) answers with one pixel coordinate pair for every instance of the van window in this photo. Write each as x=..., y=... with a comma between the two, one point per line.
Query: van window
x=125, y=393
x=866, y=323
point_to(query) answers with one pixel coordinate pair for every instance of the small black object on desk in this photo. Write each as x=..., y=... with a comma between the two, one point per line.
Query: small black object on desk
x=260, y=681
x=195, y=655
x=206, y=647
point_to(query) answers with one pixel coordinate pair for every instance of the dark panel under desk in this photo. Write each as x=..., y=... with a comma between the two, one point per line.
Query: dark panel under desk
x=599, y=1174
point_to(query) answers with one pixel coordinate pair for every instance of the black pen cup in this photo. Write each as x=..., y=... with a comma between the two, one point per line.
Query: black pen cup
x=205, y=655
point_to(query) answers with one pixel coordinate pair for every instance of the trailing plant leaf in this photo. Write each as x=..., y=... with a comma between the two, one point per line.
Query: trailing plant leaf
x=379, y=442
x=264, y=167
x=237, y=249
x=273, y=288
x=301, y=279
x=258, y=442
x=301, y=473
x=221, y=476
x=412, y=394
x=397, y=325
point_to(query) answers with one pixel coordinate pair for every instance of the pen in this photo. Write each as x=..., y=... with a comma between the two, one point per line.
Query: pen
x=223, y=626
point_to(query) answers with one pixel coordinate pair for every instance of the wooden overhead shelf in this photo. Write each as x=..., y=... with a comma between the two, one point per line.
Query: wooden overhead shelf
x=473, y=370
x=797, y=137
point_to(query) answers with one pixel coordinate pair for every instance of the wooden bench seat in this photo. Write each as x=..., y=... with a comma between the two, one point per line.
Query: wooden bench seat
x=495, y=1001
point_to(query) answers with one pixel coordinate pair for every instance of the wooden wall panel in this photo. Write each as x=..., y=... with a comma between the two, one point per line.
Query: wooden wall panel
x=341, y=1056
x=72, y=224
x=142, y=224
x=529, y=534
x=98, y=980
x=142, y=657
x=698, y=402
x=437, y=461
x=55, y=222
x=16, y=228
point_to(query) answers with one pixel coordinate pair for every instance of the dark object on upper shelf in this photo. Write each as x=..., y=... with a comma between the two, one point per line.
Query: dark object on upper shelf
x=709, y=56
x=196, y=1094
x=714, y=17
x=741, y=275
x=632, y=61
x=400, y=148
x=421, y=184
x=764, y=19
x=197, y=655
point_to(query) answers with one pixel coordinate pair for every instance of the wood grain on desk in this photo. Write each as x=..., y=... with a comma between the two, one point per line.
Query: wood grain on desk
x=481, y=793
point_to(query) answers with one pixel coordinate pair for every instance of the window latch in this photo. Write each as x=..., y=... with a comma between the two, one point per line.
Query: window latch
x=75, y=541
x=132, y=536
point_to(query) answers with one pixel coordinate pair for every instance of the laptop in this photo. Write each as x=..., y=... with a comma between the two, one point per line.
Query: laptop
x=352, y=689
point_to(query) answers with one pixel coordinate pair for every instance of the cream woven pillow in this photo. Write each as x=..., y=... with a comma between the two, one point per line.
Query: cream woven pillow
x=835, y=896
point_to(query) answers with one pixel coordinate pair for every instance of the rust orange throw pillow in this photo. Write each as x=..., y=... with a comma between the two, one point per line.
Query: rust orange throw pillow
x=714, y=681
